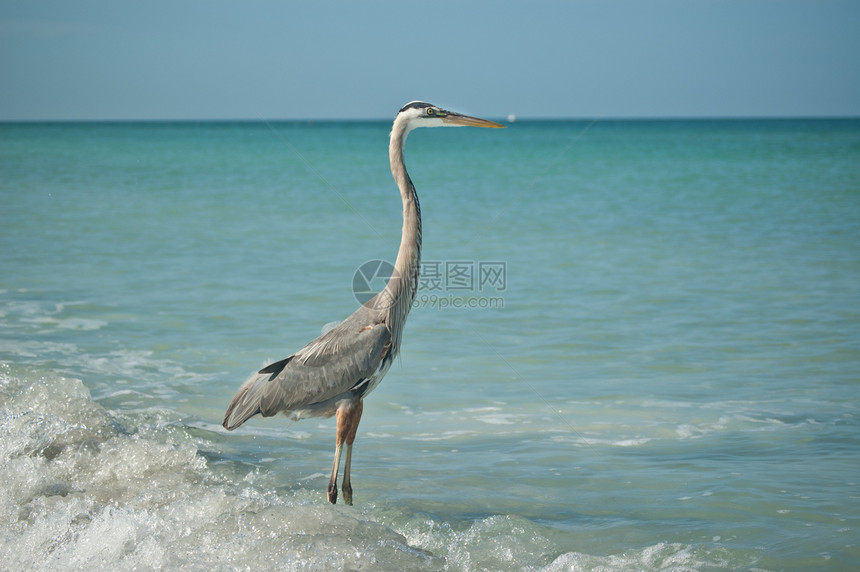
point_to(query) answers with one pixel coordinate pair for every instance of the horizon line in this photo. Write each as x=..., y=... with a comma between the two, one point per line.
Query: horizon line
x=511, y=118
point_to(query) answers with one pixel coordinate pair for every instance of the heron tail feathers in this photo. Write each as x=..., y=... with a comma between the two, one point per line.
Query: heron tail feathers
x=246, y=403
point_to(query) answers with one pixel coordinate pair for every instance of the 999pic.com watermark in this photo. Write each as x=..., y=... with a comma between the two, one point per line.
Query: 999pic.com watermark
x=442, y=284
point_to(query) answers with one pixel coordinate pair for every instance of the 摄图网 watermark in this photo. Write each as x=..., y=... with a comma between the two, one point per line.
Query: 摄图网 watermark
x=442, y=284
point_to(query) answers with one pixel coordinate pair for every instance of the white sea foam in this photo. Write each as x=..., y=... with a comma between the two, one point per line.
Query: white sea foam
x=83, y=324
x=499, y=419
x=662, y=556
x=82, y=492
x=595, y=442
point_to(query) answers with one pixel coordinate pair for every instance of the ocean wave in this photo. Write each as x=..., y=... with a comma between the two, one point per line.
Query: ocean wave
x=85, y=489
x=661, y=556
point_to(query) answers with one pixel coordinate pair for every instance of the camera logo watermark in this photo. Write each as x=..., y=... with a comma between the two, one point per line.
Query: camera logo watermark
x=370, y=279
x=442, y=284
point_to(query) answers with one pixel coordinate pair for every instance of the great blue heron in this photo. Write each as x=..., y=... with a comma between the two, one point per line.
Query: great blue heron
x=332, y=374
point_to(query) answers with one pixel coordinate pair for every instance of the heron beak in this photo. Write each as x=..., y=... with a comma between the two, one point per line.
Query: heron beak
x=457, y=119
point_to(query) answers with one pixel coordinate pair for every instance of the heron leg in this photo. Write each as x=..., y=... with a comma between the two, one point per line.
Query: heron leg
x=348, y=415
x=355, y=418
x=332, y=482
x=347, y=485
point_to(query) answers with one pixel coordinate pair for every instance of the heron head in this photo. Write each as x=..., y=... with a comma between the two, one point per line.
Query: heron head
x=421, y=114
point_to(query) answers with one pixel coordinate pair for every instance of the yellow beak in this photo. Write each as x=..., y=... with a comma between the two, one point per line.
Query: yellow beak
x=457, y=119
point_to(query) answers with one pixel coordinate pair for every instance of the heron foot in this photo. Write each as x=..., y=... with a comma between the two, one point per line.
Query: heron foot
x=347, y=494
x=332, y=493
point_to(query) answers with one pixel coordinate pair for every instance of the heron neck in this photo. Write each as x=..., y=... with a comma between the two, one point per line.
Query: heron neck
x=408, y=261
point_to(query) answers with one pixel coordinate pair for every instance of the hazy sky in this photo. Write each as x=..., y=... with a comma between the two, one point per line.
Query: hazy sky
x=214, y=59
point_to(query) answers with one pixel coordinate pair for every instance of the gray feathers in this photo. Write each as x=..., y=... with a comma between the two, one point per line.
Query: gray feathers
x=329, y=367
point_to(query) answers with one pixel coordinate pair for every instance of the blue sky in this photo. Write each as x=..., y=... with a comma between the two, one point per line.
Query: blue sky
x=231, y=59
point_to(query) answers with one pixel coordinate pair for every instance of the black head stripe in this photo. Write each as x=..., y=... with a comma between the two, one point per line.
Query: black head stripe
x=415, y=105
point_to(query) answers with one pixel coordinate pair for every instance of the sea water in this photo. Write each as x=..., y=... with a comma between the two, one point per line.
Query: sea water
x=636, y=346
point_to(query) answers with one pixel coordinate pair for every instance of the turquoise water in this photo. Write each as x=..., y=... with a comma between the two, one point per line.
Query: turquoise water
x=662, y=373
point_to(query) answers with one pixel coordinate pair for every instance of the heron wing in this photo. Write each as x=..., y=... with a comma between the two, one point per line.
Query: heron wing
x=330, y=365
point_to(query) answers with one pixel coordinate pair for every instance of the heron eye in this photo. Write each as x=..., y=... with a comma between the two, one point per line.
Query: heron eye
x=431, y=111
